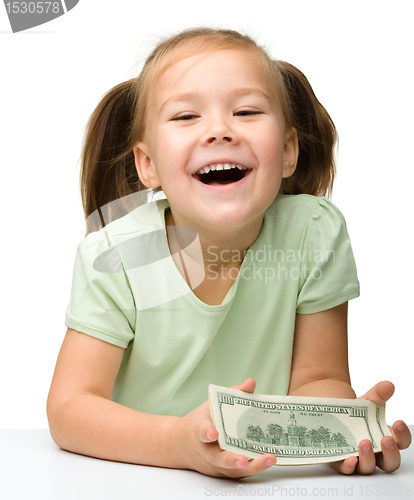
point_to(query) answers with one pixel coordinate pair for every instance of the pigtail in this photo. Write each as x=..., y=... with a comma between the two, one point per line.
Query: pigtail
x=317, y=137
x=108, y=170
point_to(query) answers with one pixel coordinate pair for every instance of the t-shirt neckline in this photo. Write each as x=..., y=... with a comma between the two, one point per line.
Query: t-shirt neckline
x=163, y=205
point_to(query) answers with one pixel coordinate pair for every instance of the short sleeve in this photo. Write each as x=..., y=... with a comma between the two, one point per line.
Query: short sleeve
x=102, y=304
x=328, y=271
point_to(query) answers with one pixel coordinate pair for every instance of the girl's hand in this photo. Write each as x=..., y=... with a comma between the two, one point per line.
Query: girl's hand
x=389, y=459
x=199, y=440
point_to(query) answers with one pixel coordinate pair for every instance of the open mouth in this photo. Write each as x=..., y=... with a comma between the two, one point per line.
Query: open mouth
x=216, y=175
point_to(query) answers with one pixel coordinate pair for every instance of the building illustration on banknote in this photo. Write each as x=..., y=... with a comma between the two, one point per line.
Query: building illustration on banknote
x=296, y=436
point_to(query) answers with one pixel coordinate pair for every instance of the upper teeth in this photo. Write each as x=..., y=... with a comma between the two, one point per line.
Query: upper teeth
x=220, y=166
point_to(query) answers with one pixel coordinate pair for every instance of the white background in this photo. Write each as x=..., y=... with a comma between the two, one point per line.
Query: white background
x=357, y=56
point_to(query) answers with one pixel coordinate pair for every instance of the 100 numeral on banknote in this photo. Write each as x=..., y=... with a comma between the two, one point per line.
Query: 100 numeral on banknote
x=297, y=430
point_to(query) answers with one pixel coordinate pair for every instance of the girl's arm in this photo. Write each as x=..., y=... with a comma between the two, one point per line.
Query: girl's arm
x=82, y=417
x=84, y=420
x=320, y=355
x=320, y=368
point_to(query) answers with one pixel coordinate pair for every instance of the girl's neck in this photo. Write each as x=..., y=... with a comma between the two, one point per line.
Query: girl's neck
x=210, y=263
x=220, y=250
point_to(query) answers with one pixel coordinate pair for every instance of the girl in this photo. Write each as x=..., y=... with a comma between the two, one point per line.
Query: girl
x=244, y=270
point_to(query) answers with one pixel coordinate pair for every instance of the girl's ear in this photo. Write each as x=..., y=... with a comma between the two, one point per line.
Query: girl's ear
x=291, y=153
x=145, y=167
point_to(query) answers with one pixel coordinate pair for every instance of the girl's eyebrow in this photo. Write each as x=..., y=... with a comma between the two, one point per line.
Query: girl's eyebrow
x=193, y=96
x=186, y=96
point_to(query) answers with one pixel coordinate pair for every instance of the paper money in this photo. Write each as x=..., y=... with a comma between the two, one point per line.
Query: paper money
x=297, y=430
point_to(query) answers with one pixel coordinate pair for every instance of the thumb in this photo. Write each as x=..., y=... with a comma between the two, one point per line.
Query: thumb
x=247, y=386
x=380, y=393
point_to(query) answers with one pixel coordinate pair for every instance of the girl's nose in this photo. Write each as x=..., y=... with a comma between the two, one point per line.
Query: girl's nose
x=224, y=139
x=220, y=132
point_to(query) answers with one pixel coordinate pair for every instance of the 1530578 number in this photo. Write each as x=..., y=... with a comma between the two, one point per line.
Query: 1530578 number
x=385, y=491
x=32, y=7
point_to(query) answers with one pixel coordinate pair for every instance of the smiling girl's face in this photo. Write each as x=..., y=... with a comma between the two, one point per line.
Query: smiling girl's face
x=211, y=111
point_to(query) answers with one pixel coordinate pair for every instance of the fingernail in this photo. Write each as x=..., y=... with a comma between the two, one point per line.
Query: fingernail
x=268, y=462
x=238, y=464
x=353, y=461
x=401, y=428
x=209, y=437
x=389, y=444
x=367, y=448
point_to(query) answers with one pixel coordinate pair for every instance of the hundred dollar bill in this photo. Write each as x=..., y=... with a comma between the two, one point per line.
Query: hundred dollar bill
x=297, y=430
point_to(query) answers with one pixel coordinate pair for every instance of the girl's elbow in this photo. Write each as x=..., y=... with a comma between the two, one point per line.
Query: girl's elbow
x=53, y=420
x=56, y=421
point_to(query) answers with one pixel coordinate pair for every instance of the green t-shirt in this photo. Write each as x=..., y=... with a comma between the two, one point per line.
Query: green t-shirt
x=128, y=291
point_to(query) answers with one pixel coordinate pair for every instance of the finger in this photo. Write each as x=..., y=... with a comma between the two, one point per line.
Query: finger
x=402, y=434
x=204, y=428
x=380, y=393
x=390, y=458
x=224, y=459
x=366, y=463
x=247, y=386
x=253, y=467
x=257, y=465
x=206, y=433
x=238, y=464
x=346, y=466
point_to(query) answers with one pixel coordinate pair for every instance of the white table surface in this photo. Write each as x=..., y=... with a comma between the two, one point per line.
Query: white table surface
x=33, y=467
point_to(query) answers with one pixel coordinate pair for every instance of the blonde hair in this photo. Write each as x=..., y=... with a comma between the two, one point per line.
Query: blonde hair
x=193, y=42
x=108, y=167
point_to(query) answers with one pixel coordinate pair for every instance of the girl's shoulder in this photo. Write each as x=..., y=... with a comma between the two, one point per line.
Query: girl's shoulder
x=117, y=246
x=304, y=214
x=304, y=207
x=148, y=217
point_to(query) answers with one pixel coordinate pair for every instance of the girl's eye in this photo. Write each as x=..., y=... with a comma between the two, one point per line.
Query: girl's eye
x=247, y=112
x=184, y=117
x=243, y=112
